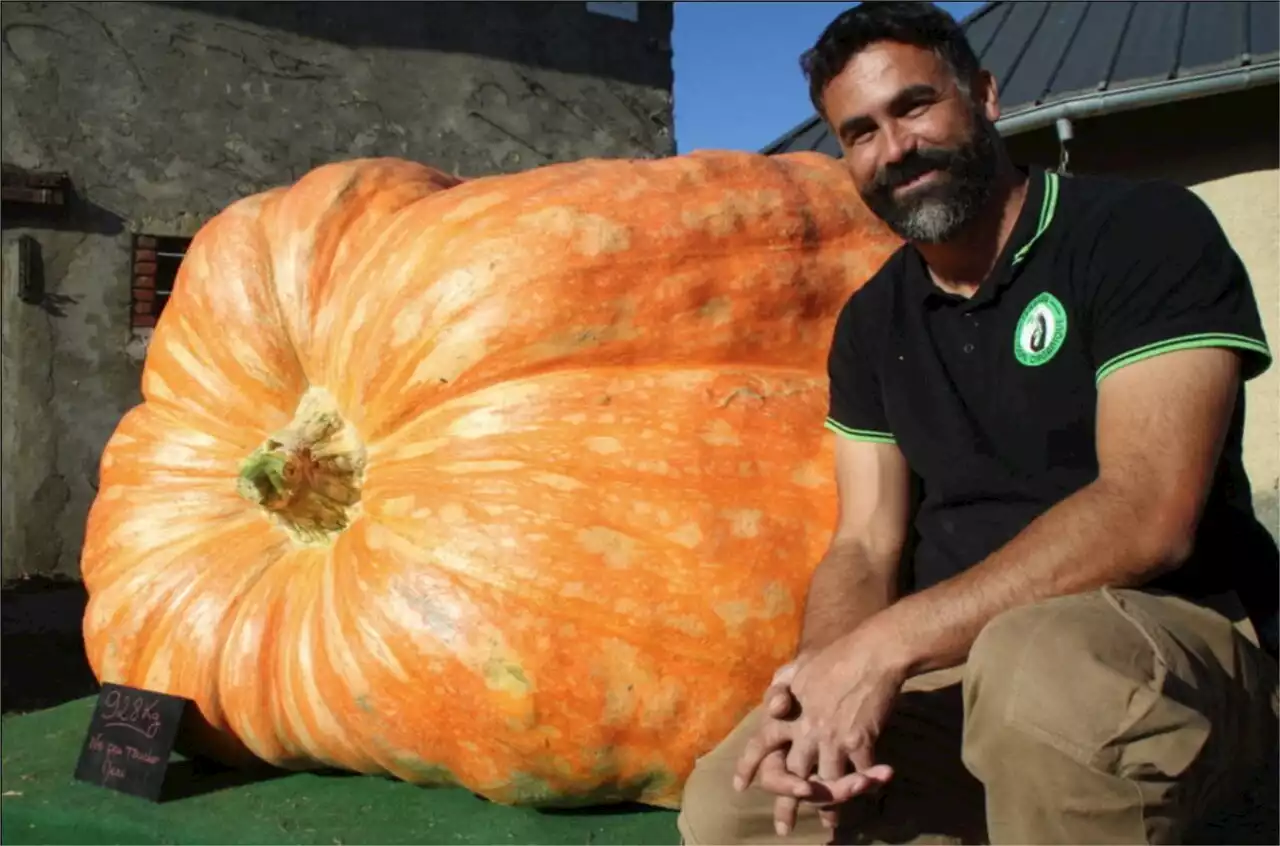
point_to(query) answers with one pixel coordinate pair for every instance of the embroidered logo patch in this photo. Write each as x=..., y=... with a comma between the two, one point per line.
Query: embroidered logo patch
x=1040, y=331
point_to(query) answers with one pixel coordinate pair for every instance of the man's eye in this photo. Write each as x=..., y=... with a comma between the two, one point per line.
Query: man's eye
x=917, y=110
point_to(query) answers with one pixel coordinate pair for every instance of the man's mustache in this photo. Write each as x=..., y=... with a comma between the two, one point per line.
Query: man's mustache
x=916, y=164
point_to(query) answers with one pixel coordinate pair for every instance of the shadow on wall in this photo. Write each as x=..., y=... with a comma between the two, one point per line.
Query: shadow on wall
x=1181, y=141
x=558, y=36
x=75, y=214
x=78, y=215
x=44, y=659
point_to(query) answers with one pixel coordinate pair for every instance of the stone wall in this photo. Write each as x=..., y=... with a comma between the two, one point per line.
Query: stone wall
x=163, y=113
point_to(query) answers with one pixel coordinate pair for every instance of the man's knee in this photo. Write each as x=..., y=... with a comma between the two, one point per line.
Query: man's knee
x=1073, y=672
x=707, y=814
x=711, y=811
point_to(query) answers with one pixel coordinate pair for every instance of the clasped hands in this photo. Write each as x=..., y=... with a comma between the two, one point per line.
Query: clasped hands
x=816, y=741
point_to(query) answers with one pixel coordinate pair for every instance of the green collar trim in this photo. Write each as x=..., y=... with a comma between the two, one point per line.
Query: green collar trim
x=1048, y=205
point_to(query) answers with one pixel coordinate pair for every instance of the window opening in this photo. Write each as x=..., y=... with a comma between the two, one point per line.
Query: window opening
x=156, y=259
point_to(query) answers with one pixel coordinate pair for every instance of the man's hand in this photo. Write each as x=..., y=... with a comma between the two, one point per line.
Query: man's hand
x=779, y=704
x=844, y=697
x=855, y=579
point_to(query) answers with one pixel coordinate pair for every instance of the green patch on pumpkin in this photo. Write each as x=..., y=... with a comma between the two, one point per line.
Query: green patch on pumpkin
x=427, y=775
x=533, y=791
x=502, y=675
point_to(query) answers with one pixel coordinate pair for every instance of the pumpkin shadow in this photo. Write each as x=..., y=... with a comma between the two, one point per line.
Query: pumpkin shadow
x=602, y=810
x=616, y=810
x=191, y=777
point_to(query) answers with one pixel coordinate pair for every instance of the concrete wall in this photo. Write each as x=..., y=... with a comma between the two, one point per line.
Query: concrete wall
x=164, y=113
x=1227, y=150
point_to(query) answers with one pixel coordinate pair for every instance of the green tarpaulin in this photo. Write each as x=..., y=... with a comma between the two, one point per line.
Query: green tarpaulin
x=43, y=804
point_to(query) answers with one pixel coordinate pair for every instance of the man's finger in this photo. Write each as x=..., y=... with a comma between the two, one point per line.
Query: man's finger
x=778, y=701
x=784, y=814
x=802, y=757
x=832, y=765
x=773, y=777
x=772, y=735
x=862, y=755
x=858, y=783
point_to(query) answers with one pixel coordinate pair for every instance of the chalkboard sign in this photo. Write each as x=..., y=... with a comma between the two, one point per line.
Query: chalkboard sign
x=130, y=740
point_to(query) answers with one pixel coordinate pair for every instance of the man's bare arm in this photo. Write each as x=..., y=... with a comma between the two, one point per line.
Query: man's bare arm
x=1161, y=424
x=858, y=575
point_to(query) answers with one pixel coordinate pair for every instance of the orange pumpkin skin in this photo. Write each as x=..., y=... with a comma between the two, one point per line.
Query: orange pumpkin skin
x=544, y=523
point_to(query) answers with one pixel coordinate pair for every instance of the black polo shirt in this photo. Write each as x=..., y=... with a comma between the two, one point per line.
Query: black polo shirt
x=992, y=399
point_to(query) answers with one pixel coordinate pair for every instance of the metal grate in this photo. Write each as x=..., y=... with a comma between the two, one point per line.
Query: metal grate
x=156, y=260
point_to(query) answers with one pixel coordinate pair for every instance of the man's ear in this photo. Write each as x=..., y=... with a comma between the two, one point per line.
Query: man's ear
x=986, y=94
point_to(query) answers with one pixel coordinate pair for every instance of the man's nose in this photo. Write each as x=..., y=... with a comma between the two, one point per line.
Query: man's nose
x=896, y=145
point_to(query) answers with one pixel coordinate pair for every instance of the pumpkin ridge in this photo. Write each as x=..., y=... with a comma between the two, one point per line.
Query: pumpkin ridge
x=258, y=205
x=622, y=631
x=409, y=356
x=357, y=197
x=338, y=355
x=770, y=199
x=164, y=615
x=585, y=612
x=460, y=391
x=243, y=376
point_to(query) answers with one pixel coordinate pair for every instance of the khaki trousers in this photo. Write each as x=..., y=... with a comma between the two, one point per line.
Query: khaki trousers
x=1117, y=716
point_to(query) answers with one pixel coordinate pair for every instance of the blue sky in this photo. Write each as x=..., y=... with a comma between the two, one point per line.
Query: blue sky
x=738, y=84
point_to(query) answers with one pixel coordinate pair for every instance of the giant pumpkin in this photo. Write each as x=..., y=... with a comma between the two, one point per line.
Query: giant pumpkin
x=513, y=483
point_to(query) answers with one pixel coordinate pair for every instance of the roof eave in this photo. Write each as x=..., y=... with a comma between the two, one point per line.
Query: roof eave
x=793, y=132
x=1097, y=104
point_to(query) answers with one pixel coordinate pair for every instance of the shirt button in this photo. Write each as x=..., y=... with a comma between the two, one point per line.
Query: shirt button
x=968, y=348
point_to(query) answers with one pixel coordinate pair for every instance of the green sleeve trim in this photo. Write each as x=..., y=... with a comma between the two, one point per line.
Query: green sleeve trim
x=867, y=435
x=1186, y=342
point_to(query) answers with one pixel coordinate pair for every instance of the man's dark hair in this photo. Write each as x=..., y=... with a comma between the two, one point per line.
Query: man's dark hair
x=923, y=25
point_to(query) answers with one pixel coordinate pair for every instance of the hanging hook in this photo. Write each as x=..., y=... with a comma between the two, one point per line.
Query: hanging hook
x=1065, y=134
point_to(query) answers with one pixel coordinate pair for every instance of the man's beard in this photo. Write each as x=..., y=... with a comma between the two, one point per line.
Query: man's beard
x=937, y=212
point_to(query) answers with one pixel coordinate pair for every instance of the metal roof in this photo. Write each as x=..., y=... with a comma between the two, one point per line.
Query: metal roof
x=1076, y=59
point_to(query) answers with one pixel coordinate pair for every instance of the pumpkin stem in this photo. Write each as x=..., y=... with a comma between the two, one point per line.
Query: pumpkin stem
x=307, y=476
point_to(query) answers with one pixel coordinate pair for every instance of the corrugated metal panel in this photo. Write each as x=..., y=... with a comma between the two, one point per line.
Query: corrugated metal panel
x=1214, y=39
x=1088, y=67
x=1149, y=49
x=810, y=137
x=982, y=25
x=1052, y=43
x=1004, y=54
x=1045, y=52
x=1264, y=30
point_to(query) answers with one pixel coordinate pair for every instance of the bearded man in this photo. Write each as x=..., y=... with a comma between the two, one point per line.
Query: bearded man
x=1060, y=654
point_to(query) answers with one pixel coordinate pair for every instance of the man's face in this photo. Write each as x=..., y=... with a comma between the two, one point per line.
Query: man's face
x=922, y=151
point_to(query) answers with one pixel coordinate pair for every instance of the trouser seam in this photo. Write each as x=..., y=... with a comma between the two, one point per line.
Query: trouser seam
x=1142, y=807
x=1155, y=686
